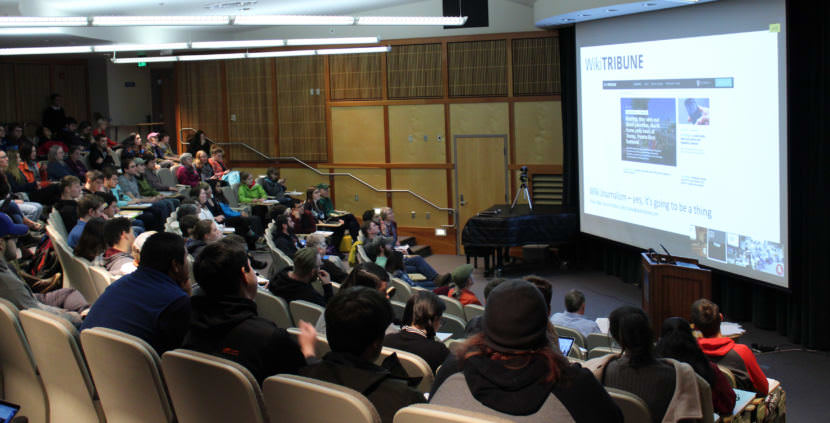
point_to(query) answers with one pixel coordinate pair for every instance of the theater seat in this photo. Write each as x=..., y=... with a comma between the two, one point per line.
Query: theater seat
x=634, y=409
x=431, y=413
x=297, y=399
x=304, y=310
x=21, y=383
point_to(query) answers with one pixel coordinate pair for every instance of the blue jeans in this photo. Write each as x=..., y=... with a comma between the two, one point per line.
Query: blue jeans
x=417, y=264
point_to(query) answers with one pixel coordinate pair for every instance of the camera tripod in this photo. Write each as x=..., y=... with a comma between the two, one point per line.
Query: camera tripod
x=522, y=191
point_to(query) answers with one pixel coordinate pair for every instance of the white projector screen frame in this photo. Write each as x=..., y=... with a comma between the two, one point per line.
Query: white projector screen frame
x=657, y=166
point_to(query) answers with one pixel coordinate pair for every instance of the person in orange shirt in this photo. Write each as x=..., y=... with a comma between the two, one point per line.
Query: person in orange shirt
x=461, y=282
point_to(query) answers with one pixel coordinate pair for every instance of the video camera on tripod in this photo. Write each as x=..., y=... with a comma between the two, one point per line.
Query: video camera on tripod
x=522, y=189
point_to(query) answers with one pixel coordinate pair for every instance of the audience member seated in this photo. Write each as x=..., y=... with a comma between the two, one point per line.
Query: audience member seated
x=89, y=206
x=146, y=190
x=332, y=264
x=462, y=280
x=91, y=244
x=74, y=163
x=14, y=137
x=94, y=182
x=205, y=170
x=544, y=286
x=212, y=208
x=668, y=387
x=45, y=142
x=118, y=258
x=198, y=142
x=24, y=176
x=369, y=275
x=724, y=351
x=21, y=212
x=357, y=319
x=150, y=218
x=217, y=161
x=64, y=302
x=186, y=174
x=84, y=133
x=152, y=303
x=101, y=124
x=150, y=175
x=156, y=149
x=70, y=135
x=224, y=321
x=131, y=147
x=677, y=342
x=284, y=237
x=294, y=283
x=388, y=225
x=325, y=204
x=511, y=369
x=421, y=319
x=186, y=225
x=252, y=194
x=130, y=184
x=573, y=317
x=273, y=185
x=100, y=153
x=374, y=241
x=203, y=233
x=56, y=167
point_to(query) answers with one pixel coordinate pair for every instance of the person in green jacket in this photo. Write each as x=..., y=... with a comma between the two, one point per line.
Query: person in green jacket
x=253, y=194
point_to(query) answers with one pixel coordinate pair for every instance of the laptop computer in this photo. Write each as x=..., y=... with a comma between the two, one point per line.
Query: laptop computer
x=565, y=345
x=8, y=411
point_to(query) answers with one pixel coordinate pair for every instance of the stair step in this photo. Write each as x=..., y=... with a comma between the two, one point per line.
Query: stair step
x=407, y=240
x=421, y=250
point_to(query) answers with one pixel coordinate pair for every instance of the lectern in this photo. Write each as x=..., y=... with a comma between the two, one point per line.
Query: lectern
x=671, y=285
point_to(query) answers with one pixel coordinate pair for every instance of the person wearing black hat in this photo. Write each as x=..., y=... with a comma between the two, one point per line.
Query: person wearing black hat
x=64, y=302
x=511, y=369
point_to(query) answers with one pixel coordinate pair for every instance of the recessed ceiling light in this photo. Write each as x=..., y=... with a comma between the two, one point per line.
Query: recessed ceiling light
x=649, y=4
x=611, y=10
x=584, y=15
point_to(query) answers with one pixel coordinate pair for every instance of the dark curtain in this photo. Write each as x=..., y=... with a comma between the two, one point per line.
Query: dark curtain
x=800, y=313
x=570, y=134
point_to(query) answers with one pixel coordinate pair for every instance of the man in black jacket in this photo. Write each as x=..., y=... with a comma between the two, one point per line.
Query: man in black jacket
x=284, y=237
x=356, y=320
x=224, y=321
x=294, y=283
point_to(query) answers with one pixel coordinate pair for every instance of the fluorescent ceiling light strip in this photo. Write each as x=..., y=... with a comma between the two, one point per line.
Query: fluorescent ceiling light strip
x=147, y=59
x=195, y=57
x=237, y=44
x=358, y=50
x=29, y=31
x=324, y=41
x=293, y=20
x=138, y=47
x=159, y=20
x=289, y=53
x=29, y=21
x=412, y=20
x=44, y=50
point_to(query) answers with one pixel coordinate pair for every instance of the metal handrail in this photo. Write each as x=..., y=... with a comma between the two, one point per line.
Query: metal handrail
x=315, y=170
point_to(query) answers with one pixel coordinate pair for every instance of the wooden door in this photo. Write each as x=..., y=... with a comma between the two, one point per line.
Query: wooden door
x=480, y=175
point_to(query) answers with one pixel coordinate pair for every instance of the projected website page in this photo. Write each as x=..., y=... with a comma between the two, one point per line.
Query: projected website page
x=683, y=136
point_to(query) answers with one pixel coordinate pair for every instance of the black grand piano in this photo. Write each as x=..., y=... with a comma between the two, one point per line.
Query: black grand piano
x=493, y=231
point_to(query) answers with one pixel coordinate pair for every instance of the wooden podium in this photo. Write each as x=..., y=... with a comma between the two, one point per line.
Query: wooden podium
x=670, y=286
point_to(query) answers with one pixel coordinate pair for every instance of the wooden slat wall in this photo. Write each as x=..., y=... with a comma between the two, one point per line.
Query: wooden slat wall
x=536, y=66
x=477, y=68
x=251, y=100
x=32, y=86
x=200, y=98
x=8, y=111
x=356, y=76
x=414, y=71
x=70, y=81
x=302, y=114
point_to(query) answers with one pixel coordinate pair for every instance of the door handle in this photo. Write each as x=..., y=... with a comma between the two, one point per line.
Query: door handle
x=461, y=200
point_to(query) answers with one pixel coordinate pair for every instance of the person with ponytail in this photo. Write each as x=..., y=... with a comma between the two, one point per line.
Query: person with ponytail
x=421, y=319
x=512, y=370
x=668, y=387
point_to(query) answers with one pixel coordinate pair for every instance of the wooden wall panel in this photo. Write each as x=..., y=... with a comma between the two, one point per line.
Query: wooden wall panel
x=417, y=121
x=430, y=184
x=70, y=81
x=201, y=104
x=32, y=86
x=536, y=66
x=538, y=127
x=299, y=179
x=356, y=76
x=302, y=108
x=414, y=71
x=477, y=68
x=8, y=110
x=357, y=134
x=251, y=103
x=346, y=189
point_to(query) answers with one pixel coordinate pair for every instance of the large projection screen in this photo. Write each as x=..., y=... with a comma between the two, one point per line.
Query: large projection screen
x=682, y=134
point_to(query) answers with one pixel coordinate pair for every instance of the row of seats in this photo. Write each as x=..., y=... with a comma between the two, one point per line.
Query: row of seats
x=78, y=273
x=58, y=375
